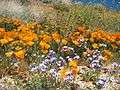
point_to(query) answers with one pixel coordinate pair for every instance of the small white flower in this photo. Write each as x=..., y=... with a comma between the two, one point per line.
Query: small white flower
x=53, y=59
x=115, y=64
x=100, y=57
x=65, y=48
x=53, y=72
x=51, y=51
x=46, y=61
x=61, y=58
x=90, y=58
x=94, y=56
x=82, y=71
x=43, y=56
x=34, y=69
x=104, y=45
x=42, y=67
x=88, y=55
x=71, y=48
x=77, y=57
x=70, y=59
x=81, y=39
x=34, y=54
x=67, y=57
x=95, y=61
x=95, y=65
x=101, y=82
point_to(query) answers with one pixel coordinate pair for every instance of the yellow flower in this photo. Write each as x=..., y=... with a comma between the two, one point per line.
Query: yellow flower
x=56, y=36
x=17, y=43
x=30, y=43
x=86, y=39
x=44, y=45
x=45, y=38
x=18, y=48
x=76, y=42
x=20, y=54
x=9, y=54
x=107, y=55
x=62, y=72
x=3, y=41
x=17, y=22
x=91, y=39
x=73, y=63
x=27, y=36
x=23, y=28
x=94, y=45
x=44, y=51
x=64, y=41
x=75, y=70
x=30, y=26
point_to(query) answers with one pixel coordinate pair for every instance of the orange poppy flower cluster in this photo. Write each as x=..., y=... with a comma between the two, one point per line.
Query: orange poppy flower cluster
x=107, y=55
x=25, y=35
x=100, y=34
x=46, y=39
x=116, y=36
x=82, y=34
x=72, y=67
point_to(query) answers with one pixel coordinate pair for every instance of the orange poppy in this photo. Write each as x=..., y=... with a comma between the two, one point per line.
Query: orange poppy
x=12, y=34
x=45, y=38
x=56, y=36
x=116, y=36
x=2, y=32
x=73, y=63
x=27, y=36
x=44, y=45
x=5, y=41
x=75, y=70
x=62, y=72
x=107, y=55
x=82, y=29
x=20, y=54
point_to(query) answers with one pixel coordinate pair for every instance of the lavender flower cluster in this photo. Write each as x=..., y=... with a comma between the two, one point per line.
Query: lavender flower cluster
x=95, y=58
x=52, y=63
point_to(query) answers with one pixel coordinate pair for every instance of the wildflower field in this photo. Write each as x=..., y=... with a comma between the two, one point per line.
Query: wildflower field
x=68, y=47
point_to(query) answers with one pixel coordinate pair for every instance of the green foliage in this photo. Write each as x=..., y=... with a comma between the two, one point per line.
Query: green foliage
x=5, y=65
x=24, y=1
x=8, y=26
x=74, y=15
x=34, y=84
x=38, y=82
x=91, y=75
x=46, y=1
x=34, y=54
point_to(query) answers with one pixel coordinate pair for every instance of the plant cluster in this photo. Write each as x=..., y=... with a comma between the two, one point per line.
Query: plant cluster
x=43, y=59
